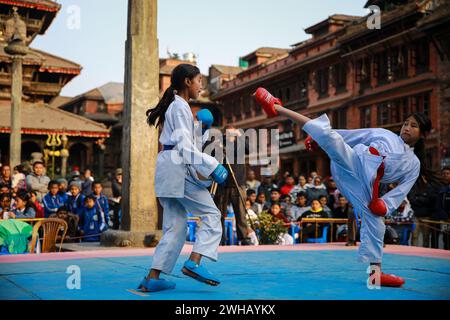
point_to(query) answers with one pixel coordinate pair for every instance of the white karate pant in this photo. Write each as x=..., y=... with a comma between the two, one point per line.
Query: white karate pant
x=198, y=201
x=354, y=170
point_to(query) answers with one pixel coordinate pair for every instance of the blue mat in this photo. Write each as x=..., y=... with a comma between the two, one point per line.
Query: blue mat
x=286, y=275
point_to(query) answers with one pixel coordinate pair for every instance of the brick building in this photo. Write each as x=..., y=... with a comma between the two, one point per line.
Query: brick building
x=359, y=77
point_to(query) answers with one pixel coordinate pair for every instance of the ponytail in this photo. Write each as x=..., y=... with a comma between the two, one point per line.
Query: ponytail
x=427, y=175
x=157, y=115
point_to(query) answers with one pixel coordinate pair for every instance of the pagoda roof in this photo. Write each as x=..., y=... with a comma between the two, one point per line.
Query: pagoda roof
x=40, y=119
x=47, y=62
x=43, y=5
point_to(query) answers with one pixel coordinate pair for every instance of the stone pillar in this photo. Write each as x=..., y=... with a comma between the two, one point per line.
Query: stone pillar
x=15, y=144
x=139, y=141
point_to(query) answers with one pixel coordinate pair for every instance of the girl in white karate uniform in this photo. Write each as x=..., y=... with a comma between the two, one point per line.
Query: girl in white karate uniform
x=180, y=184
x=360, y=160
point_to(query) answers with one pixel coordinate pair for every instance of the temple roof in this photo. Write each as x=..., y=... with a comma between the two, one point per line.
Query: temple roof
x=44, y=5
x=41, y=119
x=47, y=62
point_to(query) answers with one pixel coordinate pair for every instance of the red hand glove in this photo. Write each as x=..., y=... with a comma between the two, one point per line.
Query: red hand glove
x=310, y=144
x=378, y=207
x=267, y=101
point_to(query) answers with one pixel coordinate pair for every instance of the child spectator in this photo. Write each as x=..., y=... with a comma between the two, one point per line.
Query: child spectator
x=324, y=202
x=283, y=238
x=255, y=206
x=101, y=201
x=86, y=185
x=62, y=186
x=24, y=207
x=5, y=206
x=71, y=220
x=18, y=181
x=76, y=199
x=309, y=229
x=40, y=213
x=91, y=222
x=251, y=214
x=52, y=201
x=275, y=197
x=300, y=206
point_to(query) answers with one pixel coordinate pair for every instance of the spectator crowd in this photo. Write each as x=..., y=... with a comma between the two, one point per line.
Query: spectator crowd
x=80, y=201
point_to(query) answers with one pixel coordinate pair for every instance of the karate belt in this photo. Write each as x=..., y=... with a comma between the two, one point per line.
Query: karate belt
x=168, y=147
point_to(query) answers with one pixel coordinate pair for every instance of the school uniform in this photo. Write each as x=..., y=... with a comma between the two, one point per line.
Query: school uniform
x=101, y=202
x=180, y=191
x=76, y=204
x=91, y=223
x=354, y=168
x=52, y=203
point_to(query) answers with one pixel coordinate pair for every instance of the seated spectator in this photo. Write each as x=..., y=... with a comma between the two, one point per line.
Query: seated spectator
x=40, y=213
x=344, y=210
x=86, y=185
x=5, y=176
x=276, y=211
x=316, y=190
x=37, y=180
x=400, y=216
x=91, y=221
x=18, y=181
x=266, y=186
x=331, y=190
x=101, y=201
x=283, y=238
x=286, y=203
x=71, y=220
x=4, y=189
x=288, y=185
x=252, y=182
x=251, y=214
x=309, y=229
x=52, y=201
x=261, y=199
x=275, y=197
x=75, y=201
x=255, y=206
x=300, y=187
x=62, y=189
x=300, y=206
x=5, y=206
x=324, y=202
x=24, y=207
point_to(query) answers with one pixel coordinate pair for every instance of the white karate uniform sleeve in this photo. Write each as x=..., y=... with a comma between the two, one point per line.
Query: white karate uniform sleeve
x=362, y=136
x=184, y=137
x=394, y=198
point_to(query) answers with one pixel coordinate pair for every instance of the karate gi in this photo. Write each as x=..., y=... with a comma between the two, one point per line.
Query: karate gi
x=354, y=169
x=180, y=191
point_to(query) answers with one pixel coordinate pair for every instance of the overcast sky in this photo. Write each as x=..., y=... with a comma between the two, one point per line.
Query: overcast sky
x=218, y=31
